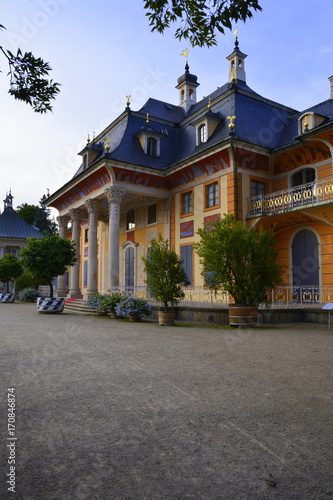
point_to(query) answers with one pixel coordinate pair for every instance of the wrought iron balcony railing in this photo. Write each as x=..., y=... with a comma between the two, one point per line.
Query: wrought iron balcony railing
x=282, y=297
x=291, y=199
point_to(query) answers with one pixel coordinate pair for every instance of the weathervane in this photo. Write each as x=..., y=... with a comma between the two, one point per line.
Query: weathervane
x=185, y=53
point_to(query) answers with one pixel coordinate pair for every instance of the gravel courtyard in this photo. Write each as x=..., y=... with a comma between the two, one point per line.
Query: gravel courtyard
x=106, y=409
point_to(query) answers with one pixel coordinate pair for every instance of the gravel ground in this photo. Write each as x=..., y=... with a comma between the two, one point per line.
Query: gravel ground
x=106, y=409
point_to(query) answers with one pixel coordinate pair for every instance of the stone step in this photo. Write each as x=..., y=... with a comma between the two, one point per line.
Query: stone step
x=79, y=306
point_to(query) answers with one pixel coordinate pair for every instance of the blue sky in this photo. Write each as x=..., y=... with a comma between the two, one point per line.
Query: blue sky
x=103, y=50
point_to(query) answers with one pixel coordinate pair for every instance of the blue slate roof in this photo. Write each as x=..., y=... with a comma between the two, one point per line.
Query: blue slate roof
x=258, y=121
x=12, y=226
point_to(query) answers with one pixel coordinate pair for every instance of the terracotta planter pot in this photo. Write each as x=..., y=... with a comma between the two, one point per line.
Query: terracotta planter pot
x=243, y=315
x=166, y=318
x=50, y=306
x=134, y=317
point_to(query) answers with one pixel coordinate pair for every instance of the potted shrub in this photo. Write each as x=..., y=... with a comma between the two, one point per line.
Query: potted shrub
x=47, y=258
x=98, y=303
x=241, y=261
x=105, y=303
x=112, y=301
x=10, y=269
x=165, y=277
x=28, y=295
x=133, y=308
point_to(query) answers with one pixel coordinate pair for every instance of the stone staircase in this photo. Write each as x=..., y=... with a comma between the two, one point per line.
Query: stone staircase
x=78, y=306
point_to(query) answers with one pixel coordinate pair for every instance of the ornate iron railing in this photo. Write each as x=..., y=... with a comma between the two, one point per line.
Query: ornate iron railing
x=284, y=296
x=290, y=199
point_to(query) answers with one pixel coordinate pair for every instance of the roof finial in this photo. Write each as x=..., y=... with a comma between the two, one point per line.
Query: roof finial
x=235, y=33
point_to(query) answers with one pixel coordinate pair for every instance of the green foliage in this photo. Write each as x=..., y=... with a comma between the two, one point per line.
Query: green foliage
x=10, y=268
x=38, y=216
x=199, y=19
x=165, y=274
x=133, y=306
x=28, y=294
x=106, y=302
x=240, y=260
x=26, y=280
x=27, y=80
x=48, y=257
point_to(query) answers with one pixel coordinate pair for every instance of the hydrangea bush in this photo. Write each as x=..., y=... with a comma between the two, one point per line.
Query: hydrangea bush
x=104, y=303
x=28, y=294
x=133, y=306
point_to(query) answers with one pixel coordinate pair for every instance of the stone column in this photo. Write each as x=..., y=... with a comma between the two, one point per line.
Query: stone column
x=76, y=215
x=114, y=196
x=61, y=288
x=92, y=207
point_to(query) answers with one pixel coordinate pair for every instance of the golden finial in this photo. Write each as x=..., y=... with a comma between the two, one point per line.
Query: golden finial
x=147, y=118
x=235, y=33
x=128, y=102
x=185, y=53
x=47, y=192
x=107, y=145
x=93, y=135
x=231, y=122
x=88, y=138
x=209, y=105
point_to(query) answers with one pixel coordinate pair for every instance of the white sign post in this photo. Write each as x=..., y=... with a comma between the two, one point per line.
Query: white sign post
x=329, y=307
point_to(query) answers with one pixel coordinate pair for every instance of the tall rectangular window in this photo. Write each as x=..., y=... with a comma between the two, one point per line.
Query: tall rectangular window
x=151, y=214
x=186, y=254
x=187, y=203
x=257, y=188
x=212, y=195
x=85, y=273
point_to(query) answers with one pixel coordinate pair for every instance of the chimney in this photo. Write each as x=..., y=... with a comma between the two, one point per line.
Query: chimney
x=331, y=86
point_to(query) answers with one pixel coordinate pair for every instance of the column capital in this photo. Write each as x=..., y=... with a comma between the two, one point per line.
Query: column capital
x=92, y=206
x=76, y=214
x=63, y=220
x=114, y=194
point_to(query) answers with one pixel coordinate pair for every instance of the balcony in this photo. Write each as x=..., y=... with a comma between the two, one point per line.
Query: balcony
x=291, y=199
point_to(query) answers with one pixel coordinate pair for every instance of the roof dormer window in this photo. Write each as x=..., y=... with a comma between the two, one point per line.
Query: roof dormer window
x=151, y=146
x=202, y=134
x=150, y=142
x=308, y=121
x=85, y=161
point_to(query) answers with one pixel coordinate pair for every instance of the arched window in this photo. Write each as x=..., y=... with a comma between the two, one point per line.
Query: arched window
x=202, y=134
x=151, y=146
x=130, y=220
x=304, y=176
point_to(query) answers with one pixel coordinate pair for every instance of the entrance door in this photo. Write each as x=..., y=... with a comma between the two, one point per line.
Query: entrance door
x=305, y=265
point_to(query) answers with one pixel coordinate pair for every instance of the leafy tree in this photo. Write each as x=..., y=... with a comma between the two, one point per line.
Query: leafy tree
x=199, y=19
x=10, y=269
x=48, y=257
x=165, y=273
x=242, y=261
x=38, y=216
x=27, y=80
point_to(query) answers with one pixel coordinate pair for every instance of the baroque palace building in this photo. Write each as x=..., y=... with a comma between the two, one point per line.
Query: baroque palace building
x=170, y=168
